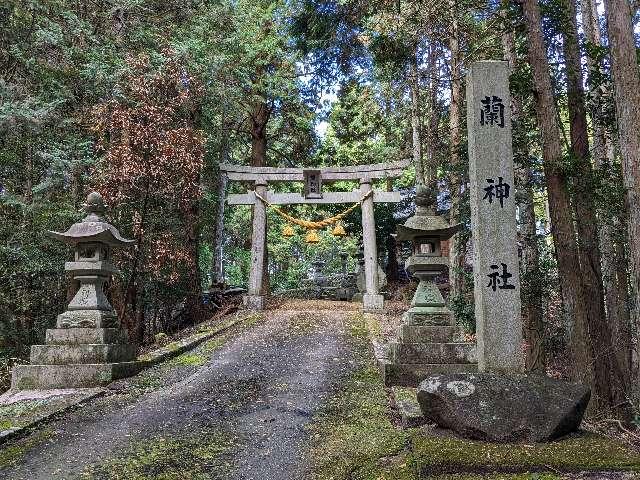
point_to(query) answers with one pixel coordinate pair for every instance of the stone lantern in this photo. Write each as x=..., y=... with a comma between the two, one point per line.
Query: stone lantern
x=428, y=341
x=92, y=240
x=87, y=349
x=427, y=231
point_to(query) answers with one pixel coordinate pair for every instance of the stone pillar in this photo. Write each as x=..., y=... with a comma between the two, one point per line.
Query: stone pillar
x=371, y=300
x=255, y=300
x=493, y=219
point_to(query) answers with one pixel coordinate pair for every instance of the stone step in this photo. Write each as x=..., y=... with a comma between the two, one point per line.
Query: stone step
x=82, y=353
x=428, y=334
x=66, y=336
x=46, y=377
x=433, y=352
x=410, y=375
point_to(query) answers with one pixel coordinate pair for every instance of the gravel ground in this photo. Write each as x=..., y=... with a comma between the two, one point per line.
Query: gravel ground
x=260, y=388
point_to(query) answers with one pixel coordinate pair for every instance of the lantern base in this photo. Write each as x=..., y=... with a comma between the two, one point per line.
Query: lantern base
x=410, y=375
x=82, y=354
x=428, y=316
x=77, y=358
x=87, y=319
x=72, y=336
x=428, y=341
x=46, y=377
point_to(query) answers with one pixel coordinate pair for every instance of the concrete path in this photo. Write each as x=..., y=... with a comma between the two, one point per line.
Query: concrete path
x=234, y=412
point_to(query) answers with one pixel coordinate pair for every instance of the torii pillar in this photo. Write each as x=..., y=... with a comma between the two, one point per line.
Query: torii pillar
x=372, y=301
x=255, y=298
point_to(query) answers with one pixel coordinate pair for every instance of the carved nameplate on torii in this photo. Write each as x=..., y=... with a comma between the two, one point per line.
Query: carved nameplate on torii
x=312, y=184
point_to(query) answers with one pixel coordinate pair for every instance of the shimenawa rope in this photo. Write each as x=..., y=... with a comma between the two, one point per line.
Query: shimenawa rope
x=315, y=225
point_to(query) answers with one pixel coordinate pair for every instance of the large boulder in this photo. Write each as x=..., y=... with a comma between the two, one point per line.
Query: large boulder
x=503, y=408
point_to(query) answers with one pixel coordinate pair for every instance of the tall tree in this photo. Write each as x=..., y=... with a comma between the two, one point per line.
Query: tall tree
x=614, y=263
x=626, y=79
x=151, y=171
x=599, y=328
x=416, y=117
x=457, y=252
x=431, y=136
x=589, y=327
x=562, y=229
x=535, y=355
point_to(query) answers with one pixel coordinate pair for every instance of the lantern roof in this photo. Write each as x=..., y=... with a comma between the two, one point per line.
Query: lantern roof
x=93, y=228
x=426, y=222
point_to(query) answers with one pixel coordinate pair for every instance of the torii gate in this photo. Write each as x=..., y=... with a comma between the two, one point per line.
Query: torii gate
x=313, y=178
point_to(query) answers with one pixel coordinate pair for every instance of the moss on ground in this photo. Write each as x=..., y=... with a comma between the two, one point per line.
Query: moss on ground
x=405, y=394
x=353, y=437
x=188, y=360
x=373, y=326
x=200, y=356
x=22, y=413
x=499, y=476
x=253, y=319
x=173, y=346
x=214, y=344
x=146, y=381
x=8, y=413
x=12, y=454
x=575, y=453
x=206, y=455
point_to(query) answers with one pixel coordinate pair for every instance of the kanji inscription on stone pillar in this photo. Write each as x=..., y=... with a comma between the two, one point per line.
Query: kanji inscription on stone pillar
x=493, y=219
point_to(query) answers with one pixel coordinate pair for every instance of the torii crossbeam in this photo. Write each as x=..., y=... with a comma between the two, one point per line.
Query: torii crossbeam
x=365, y=174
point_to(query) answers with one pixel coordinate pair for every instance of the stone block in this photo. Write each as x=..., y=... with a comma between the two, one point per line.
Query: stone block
x=410, y=414
x=504, y=408
x=416, y=263
x=87, y=319
x=372, y=303
x=71, y=336
x=433, y=352
x=428, y=333
x=73, y=354
x=428, y=316
x=44, y=377
x=410, y=375
x=254, y=302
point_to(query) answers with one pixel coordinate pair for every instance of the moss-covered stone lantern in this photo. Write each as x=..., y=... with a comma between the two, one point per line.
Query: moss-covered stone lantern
x=92, y=240
x=88, y=348
x=427, y=231
x=428, y=341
